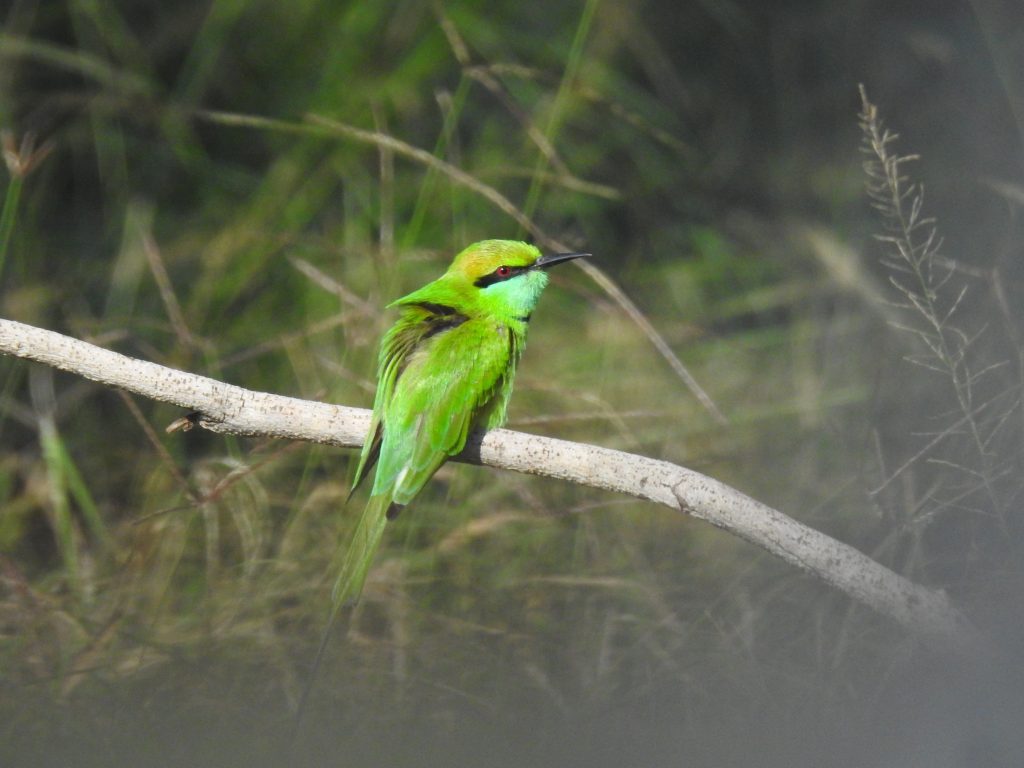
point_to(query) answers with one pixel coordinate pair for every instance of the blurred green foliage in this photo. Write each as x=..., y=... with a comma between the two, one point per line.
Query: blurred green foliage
x=705, y=153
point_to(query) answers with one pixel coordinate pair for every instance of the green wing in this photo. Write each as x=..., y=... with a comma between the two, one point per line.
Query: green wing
x=395, y=349
x=440, y=375
x=448, y=383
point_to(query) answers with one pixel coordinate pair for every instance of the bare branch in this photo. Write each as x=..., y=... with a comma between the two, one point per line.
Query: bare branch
x=226, y=408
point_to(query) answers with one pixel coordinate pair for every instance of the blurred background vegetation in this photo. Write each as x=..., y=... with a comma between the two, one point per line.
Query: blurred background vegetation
x=173, y=192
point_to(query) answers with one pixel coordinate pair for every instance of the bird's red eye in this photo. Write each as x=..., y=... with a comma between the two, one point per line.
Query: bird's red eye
x=503, y=271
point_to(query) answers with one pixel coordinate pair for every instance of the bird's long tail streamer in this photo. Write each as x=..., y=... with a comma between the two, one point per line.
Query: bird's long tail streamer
x=349, y=584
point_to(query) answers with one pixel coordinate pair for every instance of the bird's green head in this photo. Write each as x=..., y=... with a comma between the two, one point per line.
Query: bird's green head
x=508, y=275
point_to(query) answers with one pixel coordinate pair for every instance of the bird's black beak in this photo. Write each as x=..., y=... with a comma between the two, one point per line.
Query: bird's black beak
x=544, y=262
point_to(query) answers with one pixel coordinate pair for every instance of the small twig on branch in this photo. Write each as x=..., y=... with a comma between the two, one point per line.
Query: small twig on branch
x=229, y=409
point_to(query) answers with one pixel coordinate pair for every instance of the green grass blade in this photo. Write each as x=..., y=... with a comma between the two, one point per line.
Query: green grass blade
x=7, y=217
x=54, y=459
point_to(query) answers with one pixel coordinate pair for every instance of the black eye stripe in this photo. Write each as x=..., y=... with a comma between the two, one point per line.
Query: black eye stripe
x=494, y=277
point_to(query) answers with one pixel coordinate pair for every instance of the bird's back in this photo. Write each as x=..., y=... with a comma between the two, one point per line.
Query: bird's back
x=454, y=380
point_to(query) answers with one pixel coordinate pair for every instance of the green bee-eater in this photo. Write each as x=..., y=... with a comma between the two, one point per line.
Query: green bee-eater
x=445, y=369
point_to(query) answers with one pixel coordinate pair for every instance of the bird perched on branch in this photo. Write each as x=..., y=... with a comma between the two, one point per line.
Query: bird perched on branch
x=445, y=369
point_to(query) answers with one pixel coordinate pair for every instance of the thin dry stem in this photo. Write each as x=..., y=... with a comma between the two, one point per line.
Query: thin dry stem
x=924, y=279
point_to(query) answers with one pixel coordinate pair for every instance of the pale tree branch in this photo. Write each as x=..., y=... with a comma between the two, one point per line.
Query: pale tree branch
x=229, y=409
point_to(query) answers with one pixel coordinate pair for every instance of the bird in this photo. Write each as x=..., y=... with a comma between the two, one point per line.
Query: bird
x=445, y=369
